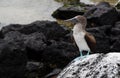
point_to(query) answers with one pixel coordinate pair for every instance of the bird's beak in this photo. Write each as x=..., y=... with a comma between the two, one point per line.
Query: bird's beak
x=73, y=20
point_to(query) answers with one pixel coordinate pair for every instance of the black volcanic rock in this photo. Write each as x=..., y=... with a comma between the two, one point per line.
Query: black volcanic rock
x=35, y=41
x=115, y=37
x=102, y=14
x=35, y=45
x=102, y=36
x=43, y=41
x=33, y=69
x=14, y=36
x=12, y=59
x=67, y=12
x=46, y=27
x=60, y=53
x=70, y=11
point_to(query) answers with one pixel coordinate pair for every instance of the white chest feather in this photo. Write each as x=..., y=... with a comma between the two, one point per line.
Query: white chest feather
x=80, y=41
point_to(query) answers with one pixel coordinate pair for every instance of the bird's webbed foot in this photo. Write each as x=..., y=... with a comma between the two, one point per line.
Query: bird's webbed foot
x=82, y=55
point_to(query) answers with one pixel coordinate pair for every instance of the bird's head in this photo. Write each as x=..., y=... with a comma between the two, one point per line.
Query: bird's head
x=78, y=20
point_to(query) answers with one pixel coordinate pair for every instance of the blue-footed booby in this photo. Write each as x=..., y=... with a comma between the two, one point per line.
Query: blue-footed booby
x=84, y=40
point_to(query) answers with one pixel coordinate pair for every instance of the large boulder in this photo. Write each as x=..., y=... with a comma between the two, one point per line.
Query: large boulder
x=67, y=12
x=93, y=66
x=44, y=41
x=46, y=27
x=102, y=14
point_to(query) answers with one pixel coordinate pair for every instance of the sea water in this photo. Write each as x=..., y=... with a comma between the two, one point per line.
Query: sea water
x=26, y=11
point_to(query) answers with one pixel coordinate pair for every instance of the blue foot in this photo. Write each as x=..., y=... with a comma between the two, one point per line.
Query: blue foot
x=81, y=56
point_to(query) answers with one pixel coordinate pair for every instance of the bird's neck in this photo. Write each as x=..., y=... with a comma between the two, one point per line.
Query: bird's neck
x=78, y=28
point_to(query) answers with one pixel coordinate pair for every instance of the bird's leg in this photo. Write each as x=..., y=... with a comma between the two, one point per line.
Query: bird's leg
x=81, y=55
x=87, y=54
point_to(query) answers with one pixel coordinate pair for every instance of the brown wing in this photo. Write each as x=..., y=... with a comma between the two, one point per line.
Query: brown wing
x=90, y=39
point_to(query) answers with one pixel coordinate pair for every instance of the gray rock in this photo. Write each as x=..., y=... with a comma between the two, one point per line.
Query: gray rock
x=93, y=66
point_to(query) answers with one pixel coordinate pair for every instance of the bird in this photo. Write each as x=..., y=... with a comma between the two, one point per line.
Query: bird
x=84, y=40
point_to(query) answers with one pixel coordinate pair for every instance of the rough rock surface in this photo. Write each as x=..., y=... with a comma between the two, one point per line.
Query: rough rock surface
x=115, y=37
x=102, y=36
x=33, y=69
x=93, y=66
x=43, y=41
x=102, y=14
x=67, y=12
x=42, y=38
x=12, y=59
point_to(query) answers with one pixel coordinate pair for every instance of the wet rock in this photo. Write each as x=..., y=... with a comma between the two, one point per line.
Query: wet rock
x=93, y=66
x=12, y=59
x=102, y=14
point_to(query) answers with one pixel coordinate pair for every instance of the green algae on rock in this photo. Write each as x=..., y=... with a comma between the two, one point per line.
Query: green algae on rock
x=67, y=2
x=118, y=6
